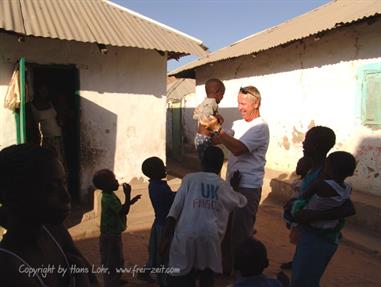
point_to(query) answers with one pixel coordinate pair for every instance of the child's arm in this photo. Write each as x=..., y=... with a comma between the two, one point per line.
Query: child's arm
x=128, y=201
x=325, y=190
x=219, y=118
x=306, y=195
x=168, y=197
x=235, y=180
x=314, y=188
x=345, y=210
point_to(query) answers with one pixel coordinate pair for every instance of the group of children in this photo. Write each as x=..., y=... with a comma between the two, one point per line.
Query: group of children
x=189, y=226
x=186, y=234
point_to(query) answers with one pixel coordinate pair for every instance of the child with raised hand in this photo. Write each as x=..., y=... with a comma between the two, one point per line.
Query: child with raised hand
x=197, y=223
x=250, y=261
x=34, y=205
x=161, y=197
x=113, y=223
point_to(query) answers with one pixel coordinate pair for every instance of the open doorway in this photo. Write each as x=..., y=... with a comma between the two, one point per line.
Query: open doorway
x=60, y=84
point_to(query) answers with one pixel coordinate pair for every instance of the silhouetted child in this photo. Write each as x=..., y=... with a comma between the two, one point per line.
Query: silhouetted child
x=250, y=261
x=113, y=223
x=327, y=193
x=198, y=220
x=161, y=197
x=302, y=168
x=330, y=192
x=34, y=205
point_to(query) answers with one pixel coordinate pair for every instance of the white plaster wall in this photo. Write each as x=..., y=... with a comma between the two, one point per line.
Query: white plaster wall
x=122, y=110
x=310, y=83
x=7, y=117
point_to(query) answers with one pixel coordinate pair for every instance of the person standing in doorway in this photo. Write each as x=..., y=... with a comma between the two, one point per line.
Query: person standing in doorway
x=46, y=118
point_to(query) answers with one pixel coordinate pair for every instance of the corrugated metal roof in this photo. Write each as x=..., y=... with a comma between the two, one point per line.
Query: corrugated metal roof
x=179, y=88
x=94, y=21
x=326, y=17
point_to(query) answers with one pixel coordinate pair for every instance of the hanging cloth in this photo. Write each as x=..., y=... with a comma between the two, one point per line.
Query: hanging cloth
x=13, y=97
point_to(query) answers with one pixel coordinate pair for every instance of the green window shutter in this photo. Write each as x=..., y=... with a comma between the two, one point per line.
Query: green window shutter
x=371, y=96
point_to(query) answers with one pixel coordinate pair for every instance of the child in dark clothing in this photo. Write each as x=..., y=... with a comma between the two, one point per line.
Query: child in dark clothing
x=302, y=168
x=250, y=261
x=34, y=205
x=162, y=198
x=332, y=191
x=113, y=223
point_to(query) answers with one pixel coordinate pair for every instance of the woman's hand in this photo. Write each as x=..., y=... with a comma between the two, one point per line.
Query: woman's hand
x=211, y=123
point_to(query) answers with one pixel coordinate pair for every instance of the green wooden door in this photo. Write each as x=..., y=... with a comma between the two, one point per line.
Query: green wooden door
x=20, y=114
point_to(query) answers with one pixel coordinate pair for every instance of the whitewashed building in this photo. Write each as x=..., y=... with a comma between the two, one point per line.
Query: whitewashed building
x=109, y=63
x=320, y=68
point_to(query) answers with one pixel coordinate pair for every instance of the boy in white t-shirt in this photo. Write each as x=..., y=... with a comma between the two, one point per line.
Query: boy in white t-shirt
x=198, y=220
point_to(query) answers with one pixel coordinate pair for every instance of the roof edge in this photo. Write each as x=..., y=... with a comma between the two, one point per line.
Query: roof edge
x=154, y=22
x=185, y=72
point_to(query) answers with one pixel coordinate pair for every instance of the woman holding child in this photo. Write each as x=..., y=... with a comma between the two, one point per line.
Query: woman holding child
x=315, y=247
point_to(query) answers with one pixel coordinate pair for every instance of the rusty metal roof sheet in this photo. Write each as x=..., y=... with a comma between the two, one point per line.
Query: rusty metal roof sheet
x=323, y=18
x=177, y=89
x=94, y=21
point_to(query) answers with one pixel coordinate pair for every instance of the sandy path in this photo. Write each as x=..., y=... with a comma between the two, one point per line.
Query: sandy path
x=350, y=266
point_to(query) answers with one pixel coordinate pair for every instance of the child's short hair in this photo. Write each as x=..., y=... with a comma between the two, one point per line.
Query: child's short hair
x=152, y=166
x=100, y=178
x=323, y=137
x=251, y=257
x=303, y=166
x=343, y=163
x=21, y=171
x=213, y=159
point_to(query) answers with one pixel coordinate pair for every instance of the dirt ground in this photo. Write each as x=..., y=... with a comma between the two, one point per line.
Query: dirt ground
x=350, y=267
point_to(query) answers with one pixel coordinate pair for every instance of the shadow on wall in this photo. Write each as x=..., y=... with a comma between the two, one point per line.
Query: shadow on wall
x=98, y=128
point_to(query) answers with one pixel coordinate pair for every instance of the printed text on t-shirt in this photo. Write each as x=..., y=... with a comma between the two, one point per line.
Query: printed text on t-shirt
x=209, y=197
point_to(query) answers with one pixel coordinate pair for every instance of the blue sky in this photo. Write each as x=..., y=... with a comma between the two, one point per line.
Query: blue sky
x=219, y=23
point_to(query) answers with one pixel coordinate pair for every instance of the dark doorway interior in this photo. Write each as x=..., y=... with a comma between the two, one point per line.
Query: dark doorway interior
x=62, y=83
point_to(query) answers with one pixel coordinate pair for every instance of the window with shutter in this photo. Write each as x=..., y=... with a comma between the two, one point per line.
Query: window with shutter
x=370, y=81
